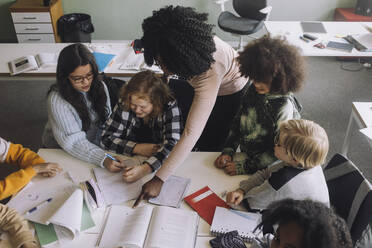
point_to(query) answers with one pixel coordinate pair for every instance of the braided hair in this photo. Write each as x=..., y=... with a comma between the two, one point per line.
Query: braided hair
x=322, y=227
x=181, y=38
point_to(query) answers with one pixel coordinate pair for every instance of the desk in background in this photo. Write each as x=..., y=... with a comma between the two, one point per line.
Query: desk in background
x=361, y=112
x=293, y=30
x=348, y=15
x=14, y=50
x=198, y=167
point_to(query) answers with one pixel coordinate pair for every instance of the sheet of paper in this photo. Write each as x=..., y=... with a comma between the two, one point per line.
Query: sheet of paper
x=55, y=235
x=171, y=227
x=69, y=213
x=226, y=220
x=47, y=59
x=367, y=132
x=126, y=226
x=37, y=191
x=172, y=192
x=113, y=187
x=46, y=234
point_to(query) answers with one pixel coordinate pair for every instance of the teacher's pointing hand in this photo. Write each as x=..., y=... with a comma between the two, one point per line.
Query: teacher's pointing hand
x=149, y=190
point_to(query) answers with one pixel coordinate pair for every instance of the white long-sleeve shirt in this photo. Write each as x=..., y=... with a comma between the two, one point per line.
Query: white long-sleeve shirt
x=281, y=181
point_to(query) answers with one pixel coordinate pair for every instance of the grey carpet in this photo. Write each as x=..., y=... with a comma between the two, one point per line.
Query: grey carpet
x=326, y=99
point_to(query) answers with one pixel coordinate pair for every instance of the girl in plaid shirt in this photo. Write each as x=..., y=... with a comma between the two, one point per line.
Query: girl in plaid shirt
x=146, y=121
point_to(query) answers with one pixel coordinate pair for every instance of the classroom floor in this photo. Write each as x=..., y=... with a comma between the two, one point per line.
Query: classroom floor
x=326, y=99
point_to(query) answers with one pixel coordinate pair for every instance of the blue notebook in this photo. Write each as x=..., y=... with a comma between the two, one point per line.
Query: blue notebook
x=103, y=60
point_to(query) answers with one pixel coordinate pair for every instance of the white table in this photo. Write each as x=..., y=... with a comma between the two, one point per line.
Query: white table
x=292, y=31
x=198, y=166
x=361, y=113
x=15, y=50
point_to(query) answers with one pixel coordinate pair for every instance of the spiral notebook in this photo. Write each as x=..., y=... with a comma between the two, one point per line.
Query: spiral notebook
x=227, y=220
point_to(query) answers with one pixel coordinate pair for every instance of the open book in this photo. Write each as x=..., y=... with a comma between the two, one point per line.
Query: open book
x=66, y=211
x=30, y=62
x=149, y=227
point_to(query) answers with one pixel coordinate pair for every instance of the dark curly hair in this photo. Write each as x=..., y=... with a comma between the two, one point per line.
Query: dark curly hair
x=273, y=61
x=70, y=58
x=181, y=38
x=147, y=84
x=322, y=227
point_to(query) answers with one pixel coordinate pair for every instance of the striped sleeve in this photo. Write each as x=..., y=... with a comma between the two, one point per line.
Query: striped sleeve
x=68, y=132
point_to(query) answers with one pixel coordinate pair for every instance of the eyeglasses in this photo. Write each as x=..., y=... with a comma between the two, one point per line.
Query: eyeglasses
x=80, y=79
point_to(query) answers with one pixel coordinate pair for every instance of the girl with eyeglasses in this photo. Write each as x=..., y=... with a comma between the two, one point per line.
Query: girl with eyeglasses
x=78, y=105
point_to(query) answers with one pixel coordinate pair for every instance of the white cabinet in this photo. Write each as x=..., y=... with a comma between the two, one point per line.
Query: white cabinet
x=35, y=23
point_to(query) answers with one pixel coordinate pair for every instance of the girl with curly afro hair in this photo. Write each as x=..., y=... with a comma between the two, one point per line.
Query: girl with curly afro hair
x=303, y=224
x=276, y=70
x=181, y=42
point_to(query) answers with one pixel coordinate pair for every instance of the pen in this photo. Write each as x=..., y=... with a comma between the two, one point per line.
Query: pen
x=39, y=206
x=304, y=39
x=111, y=157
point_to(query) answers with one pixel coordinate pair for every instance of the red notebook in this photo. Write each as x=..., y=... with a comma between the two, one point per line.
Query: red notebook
x=204, y=202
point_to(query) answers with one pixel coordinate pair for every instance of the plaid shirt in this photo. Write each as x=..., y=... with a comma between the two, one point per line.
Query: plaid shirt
x=119, y=134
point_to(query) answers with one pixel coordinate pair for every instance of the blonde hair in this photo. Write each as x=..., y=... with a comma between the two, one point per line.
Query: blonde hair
x=146, y=85
x=305, y=141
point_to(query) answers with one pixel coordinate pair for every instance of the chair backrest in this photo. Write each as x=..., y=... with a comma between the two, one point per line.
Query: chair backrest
x=250, y=8
x=350, y=194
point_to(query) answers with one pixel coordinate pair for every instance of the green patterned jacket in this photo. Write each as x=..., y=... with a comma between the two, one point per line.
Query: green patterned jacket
x=255, y=126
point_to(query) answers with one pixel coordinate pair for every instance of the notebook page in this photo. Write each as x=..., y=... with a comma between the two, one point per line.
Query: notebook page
x=172, y=227
x=172, y=192
x=226, y=220
x=133, y=62
x=69, y=213
x=38, y=190
x=113, y=187
x=126, y=227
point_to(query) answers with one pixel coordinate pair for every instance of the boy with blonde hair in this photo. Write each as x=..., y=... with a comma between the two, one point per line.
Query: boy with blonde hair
x=301, y=147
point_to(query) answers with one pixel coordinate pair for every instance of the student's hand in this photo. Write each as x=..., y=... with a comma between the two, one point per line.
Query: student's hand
x=230, y=168
x=235, y=197
x=146, y=149
x=113, y=166
x=47, y=169
x=134, y=173
x=149, y=190
x=221, y=161
x=30, y=245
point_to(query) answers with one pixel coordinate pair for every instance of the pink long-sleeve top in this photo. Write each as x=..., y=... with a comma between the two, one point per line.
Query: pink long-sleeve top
x=223, y=78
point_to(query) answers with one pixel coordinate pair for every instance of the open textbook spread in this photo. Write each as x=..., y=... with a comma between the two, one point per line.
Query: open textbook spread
x=31, y=62
x=61, y=219
x=149, y=227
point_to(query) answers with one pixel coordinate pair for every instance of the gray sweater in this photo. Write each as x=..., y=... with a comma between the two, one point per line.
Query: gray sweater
x=64, y=129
